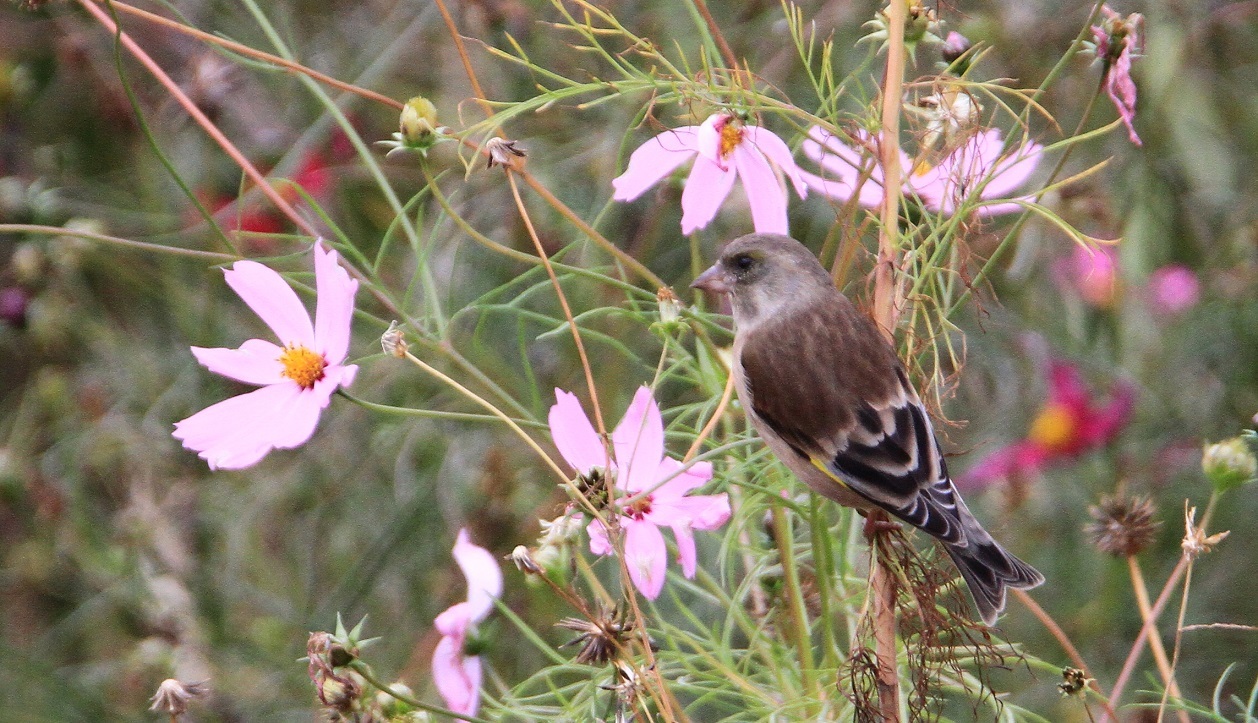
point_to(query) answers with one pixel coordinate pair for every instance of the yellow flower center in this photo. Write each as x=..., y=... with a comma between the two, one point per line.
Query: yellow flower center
x=731, y=136
x=1054, y=427
x=302, y=365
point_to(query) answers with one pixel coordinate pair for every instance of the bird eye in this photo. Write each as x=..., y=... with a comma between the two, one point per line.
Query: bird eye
x=743, y=261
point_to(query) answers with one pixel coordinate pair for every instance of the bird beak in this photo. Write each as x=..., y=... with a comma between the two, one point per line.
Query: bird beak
x=714, y=280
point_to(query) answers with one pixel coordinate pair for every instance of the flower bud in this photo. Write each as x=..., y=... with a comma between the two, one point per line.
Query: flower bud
x=391, y=706
x=669, y=305
x=418, y=121
x=954, y=46
x=1229, y=464
x=13, y=303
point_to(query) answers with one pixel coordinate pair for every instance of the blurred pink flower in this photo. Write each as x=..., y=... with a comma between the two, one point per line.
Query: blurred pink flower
x=1092, y=273
x=1174, y=289
x=723, y=148
x=941, y=188
x=656, y=487
x=297, y=378
x=1117, y=38
x=456, y=674
x=1069, y=424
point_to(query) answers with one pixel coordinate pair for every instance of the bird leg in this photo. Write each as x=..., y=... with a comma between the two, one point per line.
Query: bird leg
x=876, y=521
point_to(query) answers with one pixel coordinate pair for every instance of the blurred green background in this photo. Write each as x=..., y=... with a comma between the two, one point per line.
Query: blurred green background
x=123, y=561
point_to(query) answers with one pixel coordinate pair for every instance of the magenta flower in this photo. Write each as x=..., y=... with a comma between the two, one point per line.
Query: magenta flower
x=1173, y=289
x=1069, y=424
x=723, y=147
x=1117, y=39
x=456, y=674
x=656, y=487
x=974, y=165
x=297, y=376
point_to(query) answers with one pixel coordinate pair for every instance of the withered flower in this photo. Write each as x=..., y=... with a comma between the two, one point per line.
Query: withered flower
x=172, y=696
x=1124, y=526
x=601, y=638
x=501, y=153
x=1073, y=682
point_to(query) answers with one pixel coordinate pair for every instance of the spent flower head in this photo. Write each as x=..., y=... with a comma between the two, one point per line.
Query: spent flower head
x=172, y=696
x=1116, y=42
x=1123, y=526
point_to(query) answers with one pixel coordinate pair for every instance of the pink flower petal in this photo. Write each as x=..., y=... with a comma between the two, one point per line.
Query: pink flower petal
x=334, y=308
x=679, y=481
x=600, y=544
x=685, y=550
x=699, y=512
x=255, y=362
x=705, y=191
x=653, y=161
x=708, y=139
x=1013, y=171
x=273, y=301
x=764, y=192
x=639, y=443
x=238, y=432
x=454, y=621
x=1019, y=458
x=776, y=150
x=484, y=575
x=645, y=555
x=574, y=436
x=457, y=678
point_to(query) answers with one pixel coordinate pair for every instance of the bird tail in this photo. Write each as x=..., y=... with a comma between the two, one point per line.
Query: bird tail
x=988, y=570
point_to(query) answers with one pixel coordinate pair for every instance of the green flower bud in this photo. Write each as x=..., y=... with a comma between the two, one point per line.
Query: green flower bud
x=419, y=121
x=1230, y=463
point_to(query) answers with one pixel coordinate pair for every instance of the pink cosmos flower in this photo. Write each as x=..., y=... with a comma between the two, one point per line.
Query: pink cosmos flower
x=457, y=675
x=1173, y=289
x=1092, y=273
x=297, y=376
x=656, y=487
x=723, y=148
x=1069, y=424
x=976, y=162
x=1117, y=39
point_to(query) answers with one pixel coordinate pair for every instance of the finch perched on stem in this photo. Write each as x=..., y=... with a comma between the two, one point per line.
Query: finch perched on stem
x=828, y=394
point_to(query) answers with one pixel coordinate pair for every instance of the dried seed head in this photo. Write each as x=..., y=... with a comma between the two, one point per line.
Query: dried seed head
x=1124, y=526
x=1196, y=541
x=502, y=152
x=393, y=341
x=523, y=559
x=601, y=639
x=1074, y=682
x=172, y=696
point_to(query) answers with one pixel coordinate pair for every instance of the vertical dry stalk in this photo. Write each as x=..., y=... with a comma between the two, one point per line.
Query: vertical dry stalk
x=882, y=583
x=886, y=309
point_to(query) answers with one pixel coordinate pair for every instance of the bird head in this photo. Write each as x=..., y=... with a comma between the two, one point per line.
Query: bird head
x=763, y=273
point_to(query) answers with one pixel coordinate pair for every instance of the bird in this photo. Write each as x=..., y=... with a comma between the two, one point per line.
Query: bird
x=827, y=393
